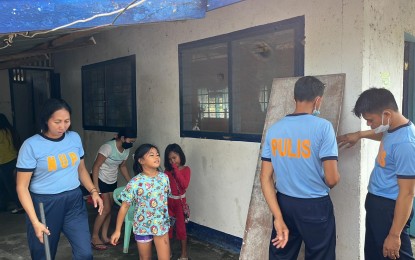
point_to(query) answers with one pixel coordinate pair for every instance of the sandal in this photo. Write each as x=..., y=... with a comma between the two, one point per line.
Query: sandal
x=99, y=247
x=183, y=258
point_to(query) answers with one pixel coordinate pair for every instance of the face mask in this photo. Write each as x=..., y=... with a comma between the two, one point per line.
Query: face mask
x=382, y=128
x=316, y=112
x=126, y=145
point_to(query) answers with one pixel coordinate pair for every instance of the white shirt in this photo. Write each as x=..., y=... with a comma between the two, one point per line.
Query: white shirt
x=108, y=172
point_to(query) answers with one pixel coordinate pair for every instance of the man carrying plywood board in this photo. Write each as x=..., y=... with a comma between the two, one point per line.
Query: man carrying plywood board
x=300, y=154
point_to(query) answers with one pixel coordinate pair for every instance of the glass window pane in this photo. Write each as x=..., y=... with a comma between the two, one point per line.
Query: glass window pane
x=108, y=90
x=205, y=86
x=118, y=94
x=226, y=80
x=255, y=62
x=93, y=95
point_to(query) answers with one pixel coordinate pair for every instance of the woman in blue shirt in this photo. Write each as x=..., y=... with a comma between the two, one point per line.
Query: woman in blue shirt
x=50, y=168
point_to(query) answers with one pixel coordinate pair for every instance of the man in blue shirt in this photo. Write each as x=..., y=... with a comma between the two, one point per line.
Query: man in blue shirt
x=299, y=160
x=392, y=181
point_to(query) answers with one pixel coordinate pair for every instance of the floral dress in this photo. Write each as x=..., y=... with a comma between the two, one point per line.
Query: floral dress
x=149, y=197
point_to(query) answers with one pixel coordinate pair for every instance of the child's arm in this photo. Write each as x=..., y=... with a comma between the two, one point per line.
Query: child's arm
x=120, y=219
x=124, y=171
x=182, y=177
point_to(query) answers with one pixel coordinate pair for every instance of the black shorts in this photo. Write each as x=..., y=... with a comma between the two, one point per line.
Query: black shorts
x=105, y=188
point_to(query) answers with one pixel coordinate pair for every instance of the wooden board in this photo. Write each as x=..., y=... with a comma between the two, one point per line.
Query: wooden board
x=281, y=102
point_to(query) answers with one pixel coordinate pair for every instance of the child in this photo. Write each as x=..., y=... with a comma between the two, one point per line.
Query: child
x=111, y=158
x=179, y=176
x=148, y=192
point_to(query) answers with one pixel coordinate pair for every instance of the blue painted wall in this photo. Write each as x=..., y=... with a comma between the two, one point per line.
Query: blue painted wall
x=215, y=237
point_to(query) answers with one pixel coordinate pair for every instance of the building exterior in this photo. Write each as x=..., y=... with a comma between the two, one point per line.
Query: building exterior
x=362, y=38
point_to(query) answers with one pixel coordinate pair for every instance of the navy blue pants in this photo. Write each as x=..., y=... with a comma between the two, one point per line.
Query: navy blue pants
x=65, y=212
x=379, y=217
x=308, y=220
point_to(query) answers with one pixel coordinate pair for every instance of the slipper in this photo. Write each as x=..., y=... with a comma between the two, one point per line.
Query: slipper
x=99, y=247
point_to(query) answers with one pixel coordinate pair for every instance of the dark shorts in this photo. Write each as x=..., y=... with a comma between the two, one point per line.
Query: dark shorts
x=105, y=188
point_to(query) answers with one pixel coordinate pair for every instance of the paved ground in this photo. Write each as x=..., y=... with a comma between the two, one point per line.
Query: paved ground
x=13, y=244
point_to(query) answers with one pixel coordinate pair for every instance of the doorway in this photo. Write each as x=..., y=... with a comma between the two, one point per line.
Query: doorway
x=29, y=89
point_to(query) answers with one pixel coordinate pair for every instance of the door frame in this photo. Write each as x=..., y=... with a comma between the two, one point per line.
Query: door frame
x=19, y=76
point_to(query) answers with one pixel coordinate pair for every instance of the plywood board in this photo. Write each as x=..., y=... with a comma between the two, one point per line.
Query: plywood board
x=281, y=102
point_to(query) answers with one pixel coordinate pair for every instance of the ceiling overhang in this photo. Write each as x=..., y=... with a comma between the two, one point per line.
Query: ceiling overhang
x=33, y=29
x=32, y=15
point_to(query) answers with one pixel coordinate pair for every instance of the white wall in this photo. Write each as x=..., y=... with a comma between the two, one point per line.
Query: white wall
x=360, y=38
x=223, y=171
x=384, y=25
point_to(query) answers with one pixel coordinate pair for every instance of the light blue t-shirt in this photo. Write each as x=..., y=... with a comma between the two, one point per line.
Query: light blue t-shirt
x=395, y=160
x=297, y=145
x=54, y=162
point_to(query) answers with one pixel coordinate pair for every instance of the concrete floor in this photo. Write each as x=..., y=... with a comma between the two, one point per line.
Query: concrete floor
x=13, y=244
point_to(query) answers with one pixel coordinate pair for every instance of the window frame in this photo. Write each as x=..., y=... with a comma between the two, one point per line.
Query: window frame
x=296, y=23
x=107, y=128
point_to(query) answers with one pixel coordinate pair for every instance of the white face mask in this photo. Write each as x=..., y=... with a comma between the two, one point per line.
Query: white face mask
x=382, y=128
x=316, y=112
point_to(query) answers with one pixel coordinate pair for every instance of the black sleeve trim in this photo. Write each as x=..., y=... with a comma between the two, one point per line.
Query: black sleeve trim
x=82, y=157
x=266, y=159
x=329, y=158
x=25, y=170
x=405, y=177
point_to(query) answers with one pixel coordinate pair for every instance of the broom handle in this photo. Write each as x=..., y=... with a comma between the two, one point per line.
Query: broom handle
x=45, y=236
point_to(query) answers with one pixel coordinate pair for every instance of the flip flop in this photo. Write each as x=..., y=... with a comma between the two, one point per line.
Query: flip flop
x=99, y=247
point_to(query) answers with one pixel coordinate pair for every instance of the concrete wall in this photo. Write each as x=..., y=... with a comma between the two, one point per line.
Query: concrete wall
x=386, y=24
x=223, y=171
x=362, y=38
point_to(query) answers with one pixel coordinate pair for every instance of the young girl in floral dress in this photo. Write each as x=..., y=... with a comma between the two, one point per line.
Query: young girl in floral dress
x=147, y=192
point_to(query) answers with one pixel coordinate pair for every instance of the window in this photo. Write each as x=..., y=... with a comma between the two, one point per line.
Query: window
x=108, y=95
x=225, y=81
x=18, y=75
